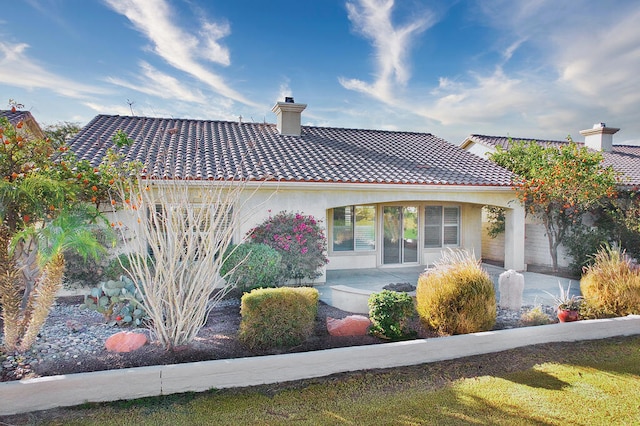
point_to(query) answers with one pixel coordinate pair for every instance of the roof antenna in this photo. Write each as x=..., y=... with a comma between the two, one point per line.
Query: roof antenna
x=131, y=105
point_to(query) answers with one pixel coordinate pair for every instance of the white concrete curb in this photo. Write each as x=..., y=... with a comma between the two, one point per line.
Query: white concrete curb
x=350, y=299
x=59, y=391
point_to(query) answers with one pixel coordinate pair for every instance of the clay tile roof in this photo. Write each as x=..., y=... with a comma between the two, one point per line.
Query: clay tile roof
x=202, y=149
x=623, y=158
x=16, y=116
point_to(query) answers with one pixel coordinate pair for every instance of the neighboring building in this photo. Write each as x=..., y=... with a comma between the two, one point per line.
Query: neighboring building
x=386, y=198
x=30, y=123
x=623, y=158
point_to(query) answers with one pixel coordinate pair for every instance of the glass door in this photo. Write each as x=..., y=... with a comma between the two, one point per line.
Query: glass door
x=400, y=235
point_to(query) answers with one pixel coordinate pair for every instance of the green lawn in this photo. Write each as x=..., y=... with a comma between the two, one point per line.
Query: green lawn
x=583, y=383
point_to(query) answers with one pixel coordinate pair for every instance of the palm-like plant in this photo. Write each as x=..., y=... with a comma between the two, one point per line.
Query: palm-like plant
x=39, y=182
x=69, y=230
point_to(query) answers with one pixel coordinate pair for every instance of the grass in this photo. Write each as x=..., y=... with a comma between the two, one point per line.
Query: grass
x=579, y=383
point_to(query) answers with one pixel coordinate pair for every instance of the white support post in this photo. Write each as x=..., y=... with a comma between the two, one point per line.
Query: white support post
x=514, y=238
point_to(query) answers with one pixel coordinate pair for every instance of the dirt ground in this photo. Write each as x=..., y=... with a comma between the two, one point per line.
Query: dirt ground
x=217, y=340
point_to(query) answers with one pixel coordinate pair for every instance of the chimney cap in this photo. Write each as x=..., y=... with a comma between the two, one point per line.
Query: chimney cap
x=289, y=99
x=599, y=129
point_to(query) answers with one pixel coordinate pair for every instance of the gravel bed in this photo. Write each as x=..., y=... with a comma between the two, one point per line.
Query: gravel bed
x=71, y=333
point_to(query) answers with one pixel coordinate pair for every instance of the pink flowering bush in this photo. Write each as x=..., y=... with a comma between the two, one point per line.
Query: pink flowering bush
x=299, y=239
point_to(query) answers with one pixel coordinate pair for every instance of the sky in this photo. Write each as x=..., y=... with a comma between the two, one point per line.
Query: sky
x=522, y=68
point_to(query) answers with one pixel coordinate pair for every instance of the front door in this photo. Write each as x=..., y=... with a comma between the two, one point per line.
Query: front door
x=400, y=235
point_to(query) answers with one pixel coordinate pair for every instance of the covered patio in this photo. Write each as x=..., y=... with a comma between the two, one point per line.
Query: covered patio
x=374, y=279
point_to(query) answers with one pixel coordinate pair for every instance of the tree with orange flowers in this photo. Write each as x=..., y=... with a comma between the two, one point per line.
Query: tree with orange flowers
x=558, y=184
x=48, y=204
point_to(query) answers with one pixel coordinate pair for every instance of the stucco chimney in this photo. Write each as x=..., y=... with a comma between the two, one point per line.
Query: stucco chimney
x=289, y=116
x=599, y=137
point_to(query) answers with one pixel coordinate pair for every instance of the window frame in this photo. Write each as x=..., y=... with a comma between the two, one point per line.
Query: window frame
x=443, y=226
x=354, y=229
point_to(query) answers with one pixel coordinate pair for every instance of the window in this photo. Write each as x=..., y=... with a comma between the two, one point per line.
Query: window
x=194, y=228
x=354, y=228
x=442, y=226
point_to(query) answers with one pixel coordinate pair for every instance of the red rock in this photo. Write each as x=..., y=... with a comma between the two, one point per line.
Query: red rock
x=353, y=325
x=125, y=341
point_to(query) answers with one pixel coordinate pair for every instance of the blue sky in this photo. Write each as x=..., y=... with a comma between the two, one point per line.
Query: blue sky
x=539, y=69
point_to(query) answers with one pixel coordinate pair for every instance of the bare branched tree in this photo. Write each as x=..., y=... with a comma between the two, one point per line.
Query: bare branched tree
x=180, y=231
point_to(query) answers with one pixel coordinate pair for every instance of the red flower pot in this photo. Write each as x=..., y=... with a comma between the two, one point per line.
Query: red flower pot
x=565, y=315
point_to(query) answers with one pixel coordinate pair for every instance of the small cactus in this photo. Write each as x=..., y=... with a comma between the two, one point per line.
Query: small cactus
x=119, y=301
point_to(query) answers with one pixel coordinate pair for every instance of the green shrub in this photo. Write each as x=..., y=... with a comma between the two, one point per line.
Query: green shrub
x=534, y=317
x=118, y=266
x=389, y=312
x=582, y=244
x=277, y=317
x=249, y=266
x=299, y=239
x=89, y=271
x=457, y=296
x=114, y=268
x=611, y=286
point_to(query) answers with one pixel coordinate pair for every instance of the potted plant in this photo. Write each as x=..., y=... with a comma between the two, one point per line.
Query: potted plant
x=567, y=306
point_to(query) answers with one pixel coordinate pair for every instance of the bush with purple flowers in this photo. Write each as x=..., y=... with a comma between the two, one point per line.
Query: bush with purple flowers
x=299, y=239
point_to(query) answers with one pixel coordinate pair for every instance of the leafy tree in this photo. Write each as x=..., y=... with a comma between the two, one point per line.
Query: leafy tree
x=41, y=181
x=557, y=185
x=61, y=133
x=496, y=219
x=69, y=230
x=623, y=217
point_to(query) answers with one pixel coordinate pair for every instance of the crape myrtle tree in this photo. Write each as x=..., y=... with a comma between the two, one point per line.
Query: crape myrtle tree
x=558, y=184
x=48, y=202
x=300, y=240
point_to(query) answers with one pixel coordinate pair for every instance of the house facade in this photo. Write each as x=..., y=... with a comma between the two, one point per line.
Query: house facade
x=625, y=159
x=385, y=198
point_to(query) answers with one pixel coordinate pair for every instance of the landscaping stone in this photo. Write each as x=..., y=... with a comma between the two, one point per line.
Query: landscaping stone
x=353, y=325
x=511, y=287
x=400, y=287
x=125, y=341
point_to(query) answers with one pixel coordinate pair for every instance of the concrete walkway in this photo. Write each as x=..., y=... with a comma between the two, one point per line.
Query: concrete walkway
x=535, y=284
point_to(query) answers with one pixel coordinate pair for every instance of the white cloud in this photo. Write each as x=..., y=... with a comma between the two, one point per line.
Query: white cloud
x=484, y=98
x=177, y=46
x=372, y=19
x=284, y=90
x=156, y=83
x=560, y=69
x=602, y=64
x=18, y=70
x=108, y=109
x=584, y=54
x=211, y=50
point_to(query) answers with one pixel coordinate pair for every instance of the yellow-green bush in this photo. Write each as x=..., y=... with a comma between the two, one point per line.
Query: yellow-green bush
x=535, y=316
x=277, y=317
x=611, y=285
x=457, y=296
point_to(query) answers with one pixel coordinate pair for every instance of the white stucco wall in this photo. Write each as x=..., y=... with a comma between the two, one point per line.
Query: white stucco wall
x=536, y=247
x=259, y=201
x=479, y=150
x=492, y=248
